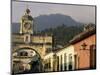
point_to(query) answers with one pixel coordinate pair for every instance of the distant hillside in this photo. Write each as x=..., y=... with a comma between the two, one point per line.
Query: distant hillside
x=49, y=21
x=54, y=20
x=62, y=34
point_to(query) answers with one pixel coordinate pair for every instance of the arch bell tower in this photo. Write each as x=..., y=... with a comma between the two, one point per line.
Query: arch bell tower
x=27, y=25
x=42, y=43
x=25, y=43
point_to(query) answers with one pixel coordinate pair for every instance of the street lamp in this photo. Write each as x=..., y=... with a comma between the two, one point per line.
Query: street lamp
x=83, y=46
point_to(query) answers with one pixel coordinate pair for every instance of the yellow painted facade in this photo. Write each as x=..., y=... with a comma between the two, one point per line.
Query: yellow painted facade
x=27, y=47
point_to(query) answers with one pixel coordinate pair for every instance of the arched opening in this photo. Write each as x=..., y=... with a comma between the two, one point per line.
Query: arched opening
x=36, y=65
x=23, y=53
x=30, y=64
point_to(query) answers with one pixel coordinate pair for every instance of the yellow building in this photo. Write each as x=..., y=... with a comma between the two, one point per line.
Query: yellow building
x=29, y=49
x=48, y=62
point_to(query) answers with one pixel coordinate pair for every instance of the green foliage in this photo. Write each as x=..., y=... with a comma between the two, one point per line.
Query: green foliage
x=63, y=33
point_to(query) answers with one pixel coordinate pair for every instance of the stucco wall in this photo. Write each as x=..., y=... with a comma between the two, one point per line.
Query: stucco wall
x=84, y=55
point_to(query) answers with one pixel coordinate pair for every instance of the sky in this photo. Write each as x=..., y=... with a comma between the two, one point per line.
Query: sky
x=80, y=13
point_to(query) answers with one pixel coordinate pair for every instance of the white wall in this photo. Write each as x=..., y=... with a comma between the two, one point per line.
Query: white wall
x=67, y=50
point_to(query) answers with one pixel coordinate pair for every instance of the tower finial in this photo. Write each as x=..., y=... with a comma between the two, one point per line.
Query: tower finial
x=27, y=10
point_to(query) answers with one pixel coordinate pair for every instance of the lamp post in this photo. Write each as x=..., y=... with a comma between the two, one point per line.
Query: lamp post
x=83, y=46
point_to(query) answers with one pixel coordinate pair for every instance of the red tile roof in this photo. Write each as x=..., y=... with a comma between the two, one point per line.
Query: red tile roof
x=83, y=35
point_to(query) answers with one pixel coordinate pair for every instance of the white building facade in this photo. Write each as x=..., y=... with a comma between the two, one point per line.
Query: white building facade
x=61, y=60
x=65, y=59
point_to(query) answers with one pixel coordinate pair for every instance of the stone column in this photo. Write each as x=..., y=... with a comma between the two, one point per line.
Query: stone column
x=67, y=62
x=63, y=62
x=59, y=62
x=51, y=63
x=73, y=62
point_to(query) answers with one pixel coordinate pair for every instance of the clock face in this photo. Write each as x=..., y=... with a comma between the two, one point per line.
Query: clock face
x=27, y=25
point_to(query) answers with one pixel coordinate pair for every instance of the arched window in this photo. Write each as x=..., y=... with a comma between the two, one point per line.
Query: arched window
x=27, y=38
x=23, y=53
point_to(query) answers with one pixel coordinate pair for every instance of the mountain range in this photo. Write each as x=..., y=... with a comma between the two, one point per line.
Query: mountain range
x=48, y=21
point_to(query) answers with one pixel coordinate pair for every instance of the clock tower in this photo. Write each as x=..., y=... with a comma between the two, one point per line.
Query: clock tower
x=26, y=26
